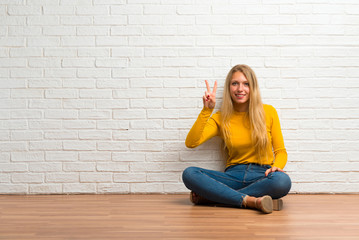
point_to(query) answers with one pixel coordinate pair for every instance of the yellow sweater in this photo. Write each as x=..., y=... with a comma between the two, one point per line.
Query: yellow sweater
x=240, y=148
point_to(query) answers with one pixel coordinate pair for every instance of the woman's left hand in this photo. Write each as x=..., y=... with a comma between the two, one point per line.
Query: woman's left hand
x=273, y=169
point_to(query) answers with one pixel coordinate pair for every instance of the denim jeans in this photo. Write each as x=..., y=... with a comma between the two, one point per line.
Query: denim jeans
x=230, y=187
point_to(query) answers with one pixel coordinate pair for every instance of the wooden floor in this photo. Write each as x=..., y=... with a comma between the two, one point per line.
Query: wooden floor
x=173, y=217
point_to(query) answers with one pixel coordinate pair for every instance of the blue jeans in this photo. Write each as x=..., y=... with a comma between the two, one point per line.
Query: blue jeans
x=230, y=187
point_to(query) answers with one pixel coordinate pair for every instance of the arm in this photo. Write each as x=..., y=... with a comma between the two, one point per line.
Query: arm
x=203, y=129
x=280, y=152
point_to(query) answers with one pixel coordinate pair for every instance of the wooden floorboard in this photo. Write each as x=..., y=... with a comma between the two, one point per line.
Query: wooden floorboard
x=173, y=217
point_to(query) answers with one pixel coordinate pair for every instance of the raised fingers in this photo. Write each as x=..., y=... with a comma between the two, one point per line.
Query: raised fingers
x=215, y=87
x=209, y=89
x=207, y=85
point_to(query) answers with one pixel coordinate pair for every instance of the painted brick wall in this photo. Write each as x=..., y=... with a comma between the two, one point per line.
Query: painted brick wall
x=97, y=96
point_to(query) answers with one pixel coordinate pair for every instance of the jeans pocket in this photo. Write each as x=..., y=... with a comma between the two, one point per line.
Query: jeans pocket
x=255, y=172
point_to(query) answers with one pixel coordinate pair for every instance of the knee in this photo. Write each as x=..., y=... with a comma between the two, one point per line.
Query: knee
x=283, y=183
x=188, y=174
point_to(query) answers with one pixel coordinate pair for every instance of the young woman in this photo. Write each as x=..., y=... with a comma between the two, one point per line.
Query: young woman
x=253, y=145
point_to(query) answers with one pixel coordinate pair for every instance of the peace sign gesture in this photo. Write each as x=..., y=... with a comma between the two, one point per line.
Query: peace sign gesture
x=209, y=98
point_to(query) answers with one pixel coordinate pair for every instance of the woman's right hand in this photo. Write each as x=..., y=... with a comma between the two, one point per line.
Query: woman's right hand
x=209, y=98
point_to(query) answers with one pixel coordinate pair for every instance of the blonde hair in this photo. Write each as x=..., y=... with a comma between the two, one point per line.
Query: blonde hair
x=255, y=113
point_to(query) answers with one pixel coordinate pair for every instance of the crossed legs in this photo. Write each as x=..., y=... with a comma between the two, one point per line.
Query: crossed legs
x=236, y=183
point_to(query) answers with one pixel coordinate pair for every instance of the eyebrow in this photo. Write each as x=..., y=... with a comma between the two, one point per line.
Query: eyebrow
x=239, y=80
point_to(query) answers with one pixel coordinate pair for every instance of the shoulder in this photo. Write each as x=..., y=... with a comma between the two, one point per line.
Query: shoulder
x=270, y=112
x=269, y=109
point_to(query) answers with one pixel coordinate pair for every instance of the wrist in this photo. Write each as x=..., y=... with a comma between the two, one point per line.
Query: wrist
x=207, y=109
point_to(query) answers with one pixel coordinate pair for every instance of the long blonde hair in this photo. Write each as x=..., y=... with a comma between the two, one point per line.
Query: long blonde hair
x=255, y=113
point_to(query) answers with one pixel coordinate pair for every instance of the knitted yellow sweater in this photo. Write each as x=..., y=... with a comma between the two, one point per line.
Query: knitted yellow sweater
x=240, y=147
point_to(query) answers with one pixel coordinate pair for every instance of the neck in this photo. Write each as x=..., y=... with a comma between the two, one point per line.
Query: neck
x=241, y=107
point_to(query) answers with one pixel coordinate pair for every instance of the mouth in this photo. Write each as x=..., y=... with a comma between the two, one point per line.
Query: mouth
x=240, y=96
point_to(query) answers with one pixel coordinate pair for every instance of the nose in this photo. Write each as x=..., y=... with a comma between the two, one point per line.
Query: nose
x=240, y=87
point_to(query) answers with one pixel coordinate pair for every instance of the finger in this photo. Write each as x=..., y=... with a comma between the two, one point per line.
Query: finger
x=277, y=169
x=274, y=169
x=215, y=87
x=204, y=99
x=267, y=172
x=206, y=94
x=208, y=88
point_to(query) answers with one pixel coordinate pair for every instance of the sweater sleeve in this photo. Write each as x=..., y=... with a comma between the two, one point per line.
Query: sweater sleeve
x=280, y=152
x=203, y=129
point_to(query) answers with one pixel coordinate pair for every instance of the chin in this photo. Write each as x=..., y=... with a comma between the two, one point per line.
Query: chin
x=241, y=102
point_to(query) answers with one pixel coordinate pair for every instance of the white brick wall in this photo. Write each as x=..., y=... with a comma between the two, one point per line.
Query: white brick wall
x=97, y=96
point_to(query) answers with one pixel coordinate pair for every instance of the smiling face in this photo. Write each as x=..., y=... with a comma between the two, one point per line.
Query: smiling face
x=239, y=90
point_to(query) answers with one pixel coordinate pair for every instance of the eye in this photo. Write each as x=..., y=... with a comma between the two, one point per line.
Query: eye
x=234, y=83
x=247, y=84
